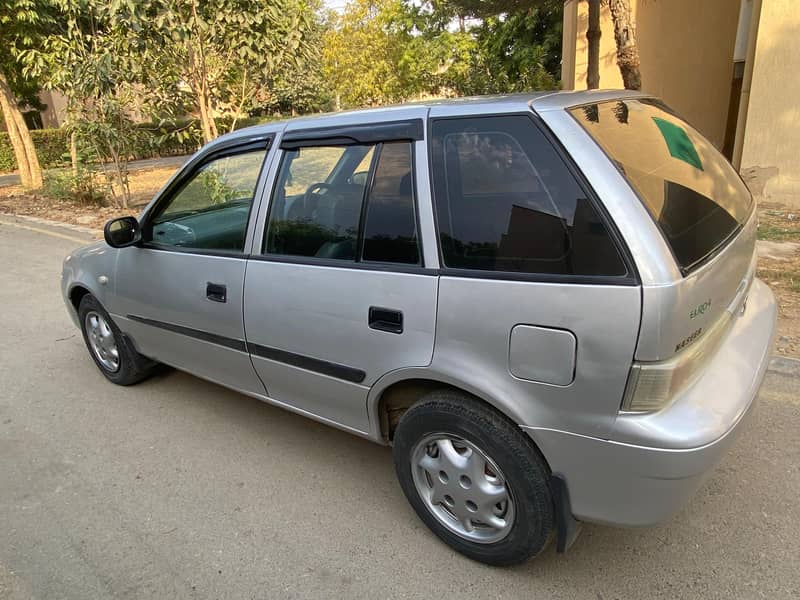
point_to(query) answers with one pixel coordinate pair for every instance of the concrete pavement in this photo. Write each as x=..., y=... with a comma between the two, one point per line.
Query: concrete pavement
x=177, y=488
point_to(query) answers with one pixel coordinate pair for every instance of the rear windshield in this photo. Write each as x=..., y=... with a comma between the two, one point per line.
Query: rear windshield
x=690, y=189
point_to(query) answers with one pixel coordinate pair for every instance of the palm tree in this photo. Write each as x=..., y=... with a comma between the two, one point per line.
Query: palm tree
x=625, y=38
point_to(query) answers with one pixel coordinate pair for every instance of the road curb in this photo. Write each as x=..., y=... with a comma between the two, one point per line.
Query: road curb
x=95, y=233
x=785, y=366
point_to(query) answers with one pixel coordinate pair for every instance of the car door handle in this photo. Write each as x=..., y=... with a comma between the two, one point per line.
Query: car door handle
x=216, y=292
x=386, y=319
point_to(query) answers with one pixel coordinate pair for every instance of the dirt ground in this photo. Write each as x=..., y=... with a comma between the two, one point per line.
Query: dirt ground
x=144, y=185
x=779, y=266
x=778, y=230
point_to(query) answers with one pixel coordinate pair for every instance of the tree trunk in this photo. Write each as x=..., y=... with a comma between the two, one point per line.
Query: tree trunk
x=200, y=78
x=627, y=50
x=16, y=144
x=206, y=115
x=207, y=137
x=30, y=151
x=28, y=163
x=122, y=177
x=593, y=34
x=73, y=153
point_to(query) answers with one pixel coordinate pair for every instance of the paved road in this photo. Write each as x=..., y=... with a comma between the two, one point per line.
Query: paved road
x=133, y=166
x=177, y=488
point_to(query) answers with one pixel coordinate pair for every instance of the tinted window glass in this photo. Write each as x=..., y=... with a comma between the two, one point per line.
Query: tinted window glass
x=689, y=188
x=505, y=201
x=316, y=206
x=390, y=231
x=309, y=166
x=211, y=209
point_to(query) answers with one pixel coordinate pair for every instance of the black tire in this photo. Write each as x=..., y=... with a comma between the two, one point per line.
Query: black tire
x=133, y=367
x=526, y=473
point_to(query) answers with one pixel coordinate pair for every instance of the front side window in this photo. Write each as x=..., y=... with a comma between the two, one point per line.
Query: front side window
x=691, y=191
x=505, y=201
x=210, y=210
x=349, y=203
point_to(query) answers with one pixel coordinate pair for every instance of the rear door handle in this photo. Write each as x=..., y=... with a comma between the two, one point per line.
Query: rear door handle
x=386, y=319
x=216, y=292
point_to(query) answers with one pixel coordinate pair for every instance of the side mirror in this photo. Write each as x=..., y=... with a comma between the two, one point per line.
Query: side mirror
x=122, y=232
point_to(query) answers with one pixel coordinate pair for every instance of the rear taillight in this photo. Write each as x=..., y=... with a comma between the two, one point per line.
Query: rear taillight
x=653, y=385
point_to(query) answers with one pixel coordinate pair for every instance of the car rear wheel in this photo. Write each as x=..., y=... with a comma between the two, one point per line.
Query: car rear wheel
x=474, y=478
x=111, y=351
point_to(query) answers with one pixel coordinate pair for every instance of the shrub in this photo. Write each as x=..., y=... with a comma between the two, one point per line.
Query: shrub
x=52, y=147
x=87, y=187
x=7, y=160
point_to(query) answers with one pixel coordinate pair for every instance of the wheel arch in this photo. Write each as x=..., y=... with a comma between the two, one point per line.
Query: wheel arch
x=76, y=293
x=397, y=391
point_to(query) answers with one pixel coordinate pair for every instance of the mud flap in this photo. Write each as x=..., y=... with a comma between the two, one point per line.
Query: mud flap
x=567, y=527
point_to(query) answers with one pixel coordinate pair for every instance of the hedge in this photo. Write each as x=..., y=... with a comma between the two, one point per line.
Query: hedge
x=52, y=145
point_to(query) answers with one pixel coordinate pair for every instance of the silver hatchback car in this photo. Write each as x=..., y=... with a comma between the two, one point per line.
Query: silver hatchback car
x=545, y=304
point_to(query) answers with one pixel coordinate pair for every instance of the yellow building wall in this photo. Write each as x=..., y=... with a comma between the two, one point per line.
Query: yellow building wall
x=771, y=150
x=686, y=51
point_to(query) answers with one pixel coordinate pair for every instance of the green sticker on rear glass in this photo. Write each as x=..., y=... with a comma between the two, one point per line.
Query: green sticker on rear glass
x=678, y=143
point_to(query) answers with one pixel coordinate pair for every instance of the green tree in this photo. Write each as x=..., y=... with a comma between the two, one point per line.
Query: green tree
x=89, y=56
x=300, y=87
x=364, y=58
x=517, y=51
x=225, y=51
x=438, y=59
x=522, y=50
x=621, y=15
x=22, y=25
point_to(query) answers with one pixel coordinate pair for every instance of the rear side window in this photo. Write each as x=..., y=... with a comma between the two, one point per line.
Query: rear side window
x=347, y=203
x=505, y=201
x=691, y=191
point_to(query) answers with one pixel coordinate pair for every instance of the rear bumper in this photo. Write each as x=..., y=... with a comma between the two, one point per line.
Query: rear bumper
x=656, y=462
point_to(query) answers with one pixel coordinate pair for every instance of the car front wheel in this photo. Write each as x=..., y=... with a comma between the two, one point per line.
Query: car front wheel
x=474, y=478
x=112, y=352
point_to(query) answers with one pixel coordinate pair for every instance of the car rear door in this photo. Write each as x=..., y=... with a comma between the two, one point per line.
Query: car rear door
x=336, y=292
x=179, y=294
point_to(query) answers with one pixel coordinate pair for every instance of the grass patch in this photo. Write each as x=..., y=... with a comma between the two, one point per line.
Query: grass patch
x=786, y=278
x=779, y=226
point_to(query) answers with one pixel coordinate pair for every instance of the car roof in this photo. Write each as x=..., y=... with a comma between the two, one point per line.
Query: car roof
x=495, y=104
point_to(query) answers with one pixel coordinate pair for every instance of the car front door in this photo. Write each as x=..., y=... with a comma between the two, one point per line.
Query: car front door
x=179, y=294
x=337, y=293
